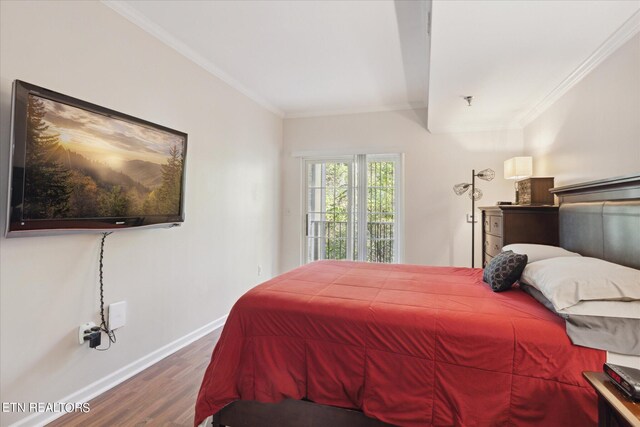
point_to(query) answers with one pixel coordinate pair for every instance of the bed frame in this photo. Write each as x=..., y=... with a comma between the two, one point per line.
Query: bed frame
x=601, y=219
x=598, y=218
x=290, y=413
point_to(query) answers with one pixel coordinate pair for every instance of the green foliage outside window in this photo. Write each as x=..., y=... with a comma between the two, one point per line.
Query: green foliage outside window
x=380, y=211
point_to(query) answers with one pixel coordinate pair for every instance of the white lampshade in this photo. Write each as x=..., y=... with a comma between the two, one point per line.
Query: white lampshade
x=518, y=167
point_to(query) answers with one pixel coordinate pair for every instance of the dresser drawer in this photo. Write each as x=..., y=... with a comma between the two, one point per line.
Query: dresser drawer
x=495, y=225
x=492, y=245
x=508, y=224
x=487, y=259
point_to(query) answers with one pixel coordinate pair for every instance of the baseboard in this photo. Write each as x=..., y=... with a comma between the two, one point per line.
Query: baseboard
x=95, y=389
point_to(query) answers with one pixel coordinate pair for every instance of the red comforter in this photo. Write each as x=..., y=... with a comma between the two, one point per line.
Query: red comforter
x=409, y=345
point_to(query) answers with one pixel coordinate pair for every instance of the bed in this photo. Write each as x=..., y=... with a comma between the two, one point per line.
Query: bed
x=355, y=344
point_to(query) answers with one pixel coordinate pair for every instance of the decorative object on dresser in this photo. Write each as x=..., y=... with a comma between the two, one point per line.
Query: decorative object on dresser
x=517, y=168
x=475, y=194
x=535, y=191
x=504, y=225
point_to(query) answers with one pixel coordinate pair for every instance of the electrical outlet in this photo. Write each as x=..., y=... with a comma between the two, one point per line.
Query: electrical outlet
x=259, y=270
x=469, y=220
x=117, y=315
x=82, y=331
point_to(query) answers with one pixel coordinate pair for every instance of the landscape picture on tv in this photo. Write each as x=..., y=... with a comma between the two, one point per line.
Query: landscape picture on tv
x=81, y=166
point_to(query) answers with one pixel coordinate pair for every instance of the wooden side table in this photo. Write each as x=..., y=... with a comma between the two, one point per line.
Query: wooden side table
x=614, y=408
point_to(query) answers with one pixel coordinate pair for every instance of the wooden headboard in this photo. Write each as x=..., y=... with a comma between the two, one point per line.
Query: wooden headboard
x=601, y=219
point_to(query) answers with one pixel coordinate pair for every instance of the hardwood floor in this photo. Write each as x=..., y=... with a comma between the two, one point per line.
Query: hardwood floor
x=161, y=395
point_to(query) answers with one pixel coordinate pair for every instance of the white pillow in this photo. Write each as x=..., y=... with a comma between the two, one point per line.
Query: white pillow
x=624, y=309
x=566, y=281
x=538, y=252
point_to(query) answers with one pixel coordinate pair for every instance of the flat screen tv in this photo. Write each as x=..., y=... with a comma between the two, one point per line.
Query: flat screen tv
x=78, y=167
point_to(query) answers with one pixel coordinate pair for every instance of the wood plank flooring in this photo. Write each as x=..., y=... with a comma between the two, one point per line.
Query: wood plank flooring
x=162, y=395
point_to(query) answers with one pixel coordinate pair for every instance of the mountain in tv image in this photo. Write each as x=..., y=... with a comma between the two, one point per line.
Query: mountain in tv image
x=81, y=164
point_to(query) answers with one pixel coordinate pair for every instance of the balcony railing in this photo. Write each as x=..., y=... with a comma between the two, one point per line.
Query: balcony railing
x=329, y=240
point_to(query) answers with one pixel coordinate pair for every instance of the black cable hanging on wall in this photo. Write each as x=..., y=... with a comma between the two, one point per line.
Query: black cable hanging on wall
x=104, y=326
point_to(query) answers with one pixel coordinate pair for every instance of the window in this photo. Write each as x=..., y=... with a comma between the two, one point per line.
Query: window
x=352, y=208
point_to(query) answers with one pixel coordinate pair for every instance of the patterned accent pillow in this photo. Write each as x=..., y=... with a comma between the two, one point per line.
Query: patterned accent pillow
x=504, y=270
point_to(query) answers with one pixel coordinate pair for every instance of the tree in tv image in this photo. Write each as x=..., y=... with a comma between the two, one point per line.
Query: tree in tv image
x=47, y=182
x=80, y=164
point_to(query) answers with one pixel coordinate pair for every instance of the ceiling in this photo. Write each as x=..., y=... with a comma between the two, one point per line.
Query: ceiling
x=515, y=57
x=301, y=58
x=310, y=58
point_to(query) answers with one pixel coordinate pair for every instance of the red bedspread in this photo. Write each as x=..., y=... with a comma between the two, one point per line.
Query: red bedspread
x=409, y=345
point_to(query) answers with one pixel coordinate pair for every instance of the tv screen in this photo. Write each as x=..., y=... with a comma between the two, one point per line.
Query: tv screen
x=77, y=166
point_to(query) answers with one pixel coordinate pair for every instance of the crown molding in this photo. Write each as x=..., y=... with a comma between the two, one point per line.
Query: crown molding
x=355, y=110
x=131, y=14
x=627, y=30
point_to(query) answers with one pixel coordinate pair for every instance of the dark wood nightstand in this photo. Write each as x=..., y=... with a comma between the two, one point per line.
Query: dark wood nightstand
x=503, y=225
x=614, y=409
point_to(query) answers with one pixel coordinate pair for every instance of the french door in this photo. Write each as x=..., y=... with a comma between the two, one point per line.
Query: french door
x=352, y=208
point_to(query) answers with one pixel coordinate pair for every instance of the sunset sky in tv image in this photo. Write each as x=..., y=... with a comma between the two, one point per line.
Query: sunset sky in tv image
x=106, y=139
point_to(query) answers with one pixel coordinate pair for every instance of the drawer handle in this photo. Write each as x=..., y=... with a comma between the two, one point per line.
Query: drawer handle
x=495, y=224
x=495, y=247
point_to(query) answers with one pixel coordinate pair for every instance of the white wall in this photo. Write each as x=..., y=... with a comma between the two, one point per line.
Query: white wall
x=435, y=224
x=174, y=280
x=593, y=131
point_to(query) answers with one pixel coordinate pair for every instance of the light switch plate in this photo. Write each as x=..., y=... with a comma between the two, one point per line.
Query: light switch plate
x=117, y=315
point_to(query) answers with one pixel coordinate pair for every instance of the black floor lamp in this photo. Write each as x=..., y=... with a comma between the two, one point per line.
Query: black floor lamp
x=475, y=194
